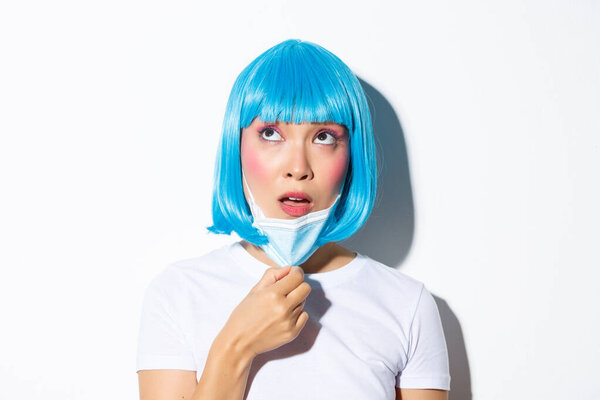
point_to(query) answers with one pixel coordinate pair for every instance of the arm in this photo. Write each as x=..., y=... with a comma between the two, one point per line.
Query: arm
x=158, y=384
x=226, y=371
x=270, y=315
x=426, y=373
x=224, y=376
x=421, y=394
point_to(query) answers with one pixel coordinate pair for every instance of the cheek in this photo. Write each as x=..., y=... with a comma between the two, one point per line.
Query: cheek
x=337, y=170
x=252, y=163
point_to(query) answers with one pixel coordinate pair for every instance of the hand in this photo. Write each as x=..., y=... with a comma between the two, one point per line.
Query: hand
x=271, y=315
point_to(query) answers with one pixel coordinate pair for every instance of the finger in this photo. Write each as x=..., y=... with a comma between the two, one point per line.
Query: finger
x=291, y=281
x=298, y=295
x=275, y=274
x=281, y=272
x=298, y=309
x=301, y=321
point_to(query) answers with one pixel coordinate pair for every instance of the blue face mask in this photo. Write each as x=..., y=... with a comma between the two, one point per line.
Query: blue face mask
x=291, y=241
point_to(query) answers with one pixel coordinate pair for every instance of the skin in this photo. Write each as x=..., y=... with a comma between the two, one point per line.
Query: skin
x=283, y=157
x=278, y=158
x=310, y=157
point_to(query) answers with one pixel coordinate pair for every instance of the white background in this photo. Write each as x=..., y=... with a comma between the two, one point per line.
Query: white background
x=110, y=114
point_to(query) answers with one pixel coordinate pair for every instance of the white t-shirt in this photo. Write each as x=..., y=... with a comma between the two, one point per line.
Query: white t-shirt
x=371, y=328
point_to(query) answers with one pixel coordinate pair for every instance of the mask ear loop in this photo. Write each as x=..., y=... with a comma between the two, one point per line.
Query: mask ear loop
x=256, y=212
x=337, y=201
x=332, y=214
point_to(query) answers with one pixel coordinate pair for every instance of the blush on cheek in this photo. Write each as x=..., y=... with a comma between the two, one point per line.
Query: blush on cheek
x=252, y=164
x=337, y=170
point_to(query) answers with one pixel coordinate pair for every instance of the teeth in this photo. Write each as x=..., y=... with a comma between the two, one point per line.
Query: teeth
x=294, y=198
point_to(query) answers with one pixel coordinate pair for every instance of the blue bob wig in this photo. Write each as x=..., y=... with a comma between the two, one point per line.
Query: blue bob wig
x=296, y=81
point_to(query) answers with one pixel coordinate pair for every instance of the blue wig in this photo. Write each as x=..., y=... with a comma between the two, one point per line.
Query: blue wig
x=296, y=82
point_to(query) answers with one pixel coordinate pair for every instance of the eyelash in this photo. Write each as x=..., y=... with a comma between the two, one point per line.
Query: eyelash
x=263, y=130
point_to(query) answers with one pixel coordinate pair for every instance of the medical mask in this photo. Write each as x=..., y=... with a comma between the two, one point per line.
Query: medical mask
x=291, y=241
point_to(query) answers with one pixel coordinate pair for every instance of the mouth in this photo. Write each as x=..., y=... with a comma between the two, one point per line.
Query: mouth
x=296, y=204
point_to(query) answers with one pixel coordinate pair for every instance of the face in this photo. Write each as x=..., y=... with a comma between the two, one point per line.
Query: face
x=305, y=161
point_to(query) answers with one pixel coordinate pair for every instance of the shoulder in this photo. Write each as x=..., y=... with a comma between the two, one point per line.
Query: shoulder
x=181, y=273
x=385, y=276
x=214, y=257
x=385, y=286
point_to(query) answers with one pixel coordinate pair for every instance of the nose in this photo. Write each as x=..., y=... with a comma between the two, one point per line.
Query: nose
x=297, y=165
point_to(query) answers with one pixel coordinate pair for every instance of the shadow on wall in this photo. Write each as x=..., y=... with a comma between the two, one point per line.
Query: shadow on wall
x=388, y=233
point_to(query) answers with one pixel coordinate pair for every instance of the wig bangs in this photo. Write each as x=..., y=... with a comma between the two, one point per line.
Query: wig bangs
x=296, y=87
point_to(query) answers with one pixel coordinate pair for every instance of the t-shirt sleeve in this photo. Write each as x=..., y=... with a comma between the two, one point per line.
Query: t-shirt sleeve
x=161, y=339
x=427, y=364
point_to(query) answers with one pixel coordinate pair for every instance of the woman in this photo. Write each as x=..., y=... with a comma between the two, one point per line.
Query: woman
x=287, y=312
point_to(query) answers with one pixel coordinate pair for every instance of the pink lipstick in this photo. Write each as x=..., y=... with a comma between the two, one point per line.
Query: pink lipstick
x=295, y=204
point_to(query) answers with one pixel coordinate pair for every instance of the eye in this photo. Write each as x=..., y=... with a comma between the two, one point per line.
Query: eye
x=323, y=136
x=269, y=133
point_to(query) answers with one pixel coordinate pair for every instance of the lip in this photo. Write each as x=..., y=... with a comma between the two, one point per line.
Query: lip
x=293, y=210
x=300, y=195
x=296, y=211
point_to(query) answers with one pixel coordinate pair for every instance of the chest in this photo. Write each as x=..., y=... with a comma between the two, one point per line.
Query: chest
x=351, y=347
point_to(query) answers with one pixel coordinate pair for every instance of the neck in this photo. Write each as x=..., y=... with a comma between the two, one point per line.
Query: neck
x=328, y=257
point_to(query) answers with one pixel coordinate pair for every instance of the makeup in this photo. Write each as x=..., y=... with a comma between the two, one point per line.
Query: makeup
x=287, y=158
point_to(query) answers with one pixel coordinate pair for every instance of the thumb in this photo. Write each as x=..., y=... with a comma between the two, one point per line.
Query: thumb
x=271, y=276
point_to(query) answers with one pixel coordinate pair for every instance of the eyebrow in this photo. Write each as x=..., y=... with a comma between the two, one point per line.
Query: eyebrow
x=342, y=130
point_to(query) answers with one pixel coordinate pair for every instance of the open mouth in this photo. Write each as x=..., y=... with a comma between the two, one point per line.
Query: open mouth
x=296, y=204
x=295, y=201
